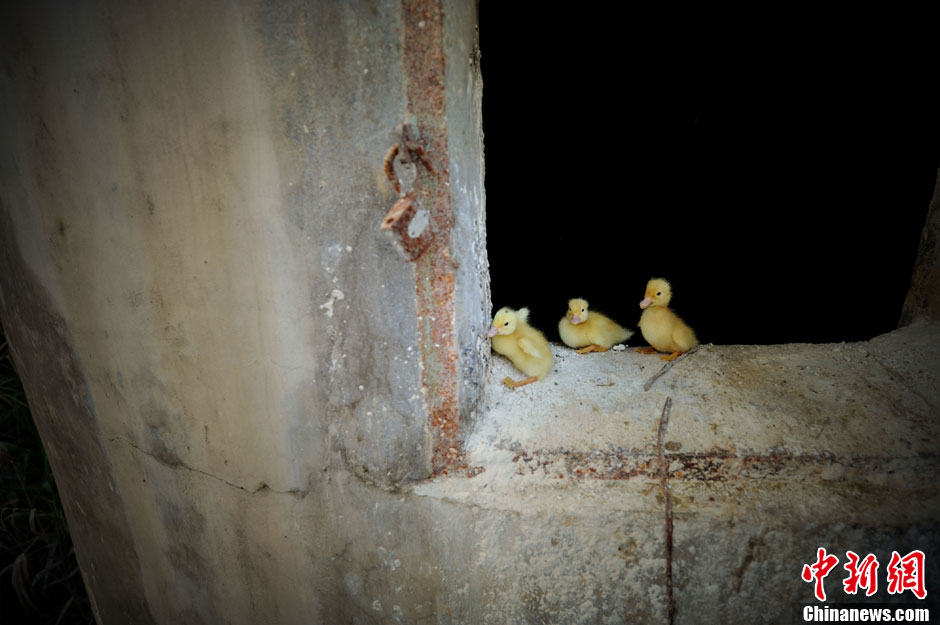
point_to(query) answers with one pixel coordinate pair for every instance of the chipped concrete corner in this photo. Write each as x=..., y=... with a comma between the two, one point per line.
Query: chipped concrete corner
x=244, y=387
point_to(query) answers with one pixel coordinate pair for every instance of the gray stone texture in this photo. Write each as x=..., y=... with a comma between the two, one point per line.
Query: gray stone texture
x=223, y=355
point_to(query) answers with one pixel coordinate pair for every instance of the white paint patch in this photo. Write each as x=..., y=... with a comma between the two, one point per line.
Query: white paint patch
x=418, y=224
x=335, y=296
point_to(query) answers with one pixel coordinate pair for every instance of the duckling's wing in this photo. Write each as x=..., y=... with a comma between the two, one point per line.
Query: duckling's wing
x=684, y=336
x=529, y=347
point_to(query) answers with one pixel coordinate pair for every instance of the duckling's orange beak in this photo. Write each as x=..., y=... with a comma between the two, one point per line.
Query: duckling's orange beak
x=492, y=331
x=646, y=302
x=575, y=319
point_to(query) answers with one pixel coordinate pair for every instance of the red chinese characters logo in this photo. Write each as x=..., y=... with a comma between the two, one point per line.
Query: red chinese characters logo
x=907, y=573
x=864, y=575
x=818, y=571
x=904, y=573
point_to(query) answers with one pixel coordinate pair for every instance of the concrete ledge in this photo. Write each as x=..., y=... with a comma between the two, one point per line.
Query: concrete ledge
x=769, y=452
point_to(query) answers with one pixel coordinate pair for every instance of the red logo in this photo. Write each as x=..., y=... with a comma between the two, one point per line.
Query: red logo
x=864, y=575
x=824, y=564
x=907, y=573
x=904, y=573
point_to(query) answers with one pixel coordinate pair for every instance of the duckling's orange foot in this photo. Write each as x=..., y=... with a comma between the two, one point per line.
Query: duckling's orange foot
x=647, y=350
x=514, y=385
x=591, y=348
x=671, y=356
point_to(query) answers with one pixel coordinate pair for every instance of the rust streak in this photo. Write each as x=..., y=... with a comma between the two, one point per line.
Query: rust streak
x=423, y=65
x=390, y=167
x=715, y=465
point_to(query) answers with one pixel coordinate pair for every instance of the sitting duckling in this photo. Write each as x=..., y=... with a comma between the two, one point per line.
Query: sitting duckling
x=661, y=327
x=522, y=344
x=592, y=332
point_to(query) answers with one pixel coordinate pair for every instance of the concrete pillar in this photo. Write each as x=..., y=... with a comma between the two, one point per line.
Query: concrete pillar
x=923, y=299
x=230, y=364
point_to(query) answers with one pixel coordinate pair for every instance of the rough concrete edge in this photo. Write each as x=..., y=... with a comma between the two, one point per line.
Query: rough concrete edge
x=923, y=297
x=27, y=317
x=464, y=86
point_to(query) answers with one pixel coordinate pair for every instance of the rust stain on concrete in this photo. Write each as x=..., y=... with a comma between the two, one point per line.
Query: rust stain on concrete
x=716, y=465
x=424, y=65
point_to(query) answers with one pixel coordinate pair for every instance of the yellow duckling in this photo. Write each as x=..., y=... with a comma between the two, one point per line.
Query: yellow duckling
x=522, y=344
x=591, y=331
x=661, y=327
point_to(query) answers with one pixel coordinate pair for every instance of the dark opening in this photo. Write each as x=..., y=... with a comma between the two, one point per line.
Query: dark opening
x=778, y=177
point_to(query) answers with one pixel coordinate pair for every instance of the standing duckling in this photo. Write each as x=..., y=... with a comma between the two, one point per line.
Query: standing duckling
x=591, y=331
x=522, y=344
x=661, y=327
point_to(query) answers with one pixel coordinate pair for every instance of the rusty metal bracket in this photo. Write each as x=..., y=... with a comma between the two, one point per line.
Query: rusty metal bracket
x=408, y=151
x=407, y=224
x=408, y=227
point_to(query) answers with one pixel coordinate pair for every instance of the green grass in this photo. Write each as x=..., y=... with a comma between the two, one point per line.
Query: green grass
x=40, y=582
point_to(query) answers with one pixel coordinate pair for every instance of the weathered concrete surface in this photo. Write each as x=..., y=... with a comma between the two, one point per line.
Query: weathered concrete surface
x=64, y=413
x=771, y=452
x=222, y=353
x=179, y=173
x=191, y=194
x=923, y=298
x=468, y=242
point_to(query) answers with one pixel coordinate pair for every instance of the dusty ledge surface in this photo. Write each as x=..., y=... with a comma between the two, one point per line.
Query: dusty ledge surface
x=800, y=430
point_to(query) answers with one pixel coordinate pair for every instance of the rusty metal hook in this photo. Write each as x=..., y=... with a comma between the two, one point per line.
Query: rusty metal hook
x=407, y=224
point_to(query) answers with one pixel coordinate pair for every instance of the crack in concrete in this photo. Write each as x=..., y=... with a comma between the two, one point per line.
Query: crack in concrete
x=361, y=473
x=667, y=367
x=664, y=483
x=262, y=487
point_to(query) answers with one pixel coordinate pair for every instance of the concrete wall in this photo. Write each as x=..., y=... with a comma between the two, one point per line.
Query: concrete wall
x=222, y=350
x=243, y=386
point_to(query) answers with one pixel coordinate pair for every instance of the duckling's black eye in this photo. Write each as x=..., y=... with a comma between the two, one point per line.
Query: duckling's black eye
x=506, y=324
x=658, y=294
x=582, y=310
